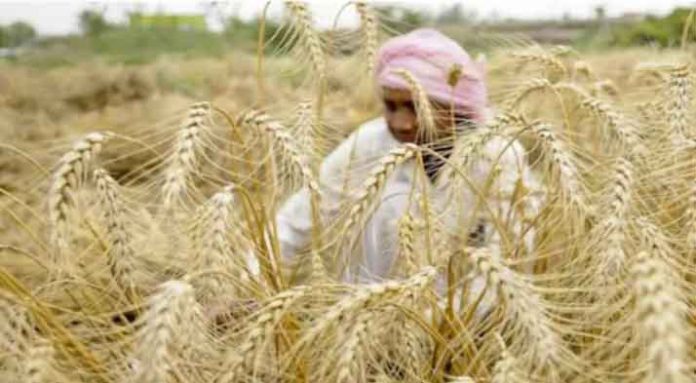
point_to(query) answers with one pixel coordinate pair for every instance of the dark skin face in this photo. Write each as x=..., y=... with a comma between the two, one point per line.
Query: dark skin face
x=402, y=119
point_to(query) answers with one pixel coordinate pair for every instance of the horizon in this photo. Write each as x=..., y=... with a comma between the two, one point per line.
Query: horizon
x=61, y=17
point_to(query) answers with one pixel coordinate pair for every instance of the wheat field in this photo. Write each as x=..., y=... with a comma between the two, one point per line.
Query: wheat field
x=138, y=241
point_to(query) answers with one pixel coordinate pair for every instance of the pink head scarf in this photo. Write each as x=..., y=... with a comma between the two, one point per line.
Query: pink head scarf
x=430, y=56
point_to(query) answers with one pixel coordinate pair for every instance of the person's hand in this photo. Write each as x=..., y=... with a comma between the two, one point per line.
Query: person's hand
x=225, y=311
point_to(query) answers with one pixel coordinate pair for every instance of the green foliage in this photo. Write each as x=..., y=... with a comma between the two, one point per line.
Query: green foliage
x=16, y=34
x=662, y=31
x=92, y=23
x=166, y=21
x=238, y=32
x=401, y=19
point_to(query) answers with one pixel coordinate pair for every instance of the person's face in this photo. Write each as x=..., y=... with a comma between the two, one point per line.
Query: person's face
x=402, y=119
x=400, y=113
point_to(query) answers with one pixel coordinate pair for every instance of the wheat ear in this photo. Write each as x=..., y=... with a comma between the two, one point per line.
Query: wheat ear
x=374, y=183
x=167, y=321
x=545, y=60
x=72, y=171
x=624, y=128
x=369, y=26
x=348, y=366
x=691, y=217
x=679, y=104
x=121, y=254
x=525, y=307
x=279, y=135
x=213, y=229
x=506, y=369
x=406, y=244
x=259, y=330
x=38, y=363
x=611, y=252
x=662, y=319
x=569, y=176
x=308, y=35
x=366, y=296
x=182, y=163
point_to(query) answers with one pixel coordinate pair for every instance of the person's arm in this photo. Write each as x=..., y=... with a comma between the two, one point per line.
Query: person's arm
x=294, y=218
x=514, y=197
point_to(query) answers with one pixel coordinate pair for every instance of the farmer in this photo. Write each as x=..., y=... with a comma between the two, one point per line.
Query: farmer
x=456, y=87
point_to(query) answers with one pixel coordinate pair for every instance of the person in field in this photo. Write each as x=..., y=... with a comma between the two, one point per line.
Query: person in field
x=460, y=106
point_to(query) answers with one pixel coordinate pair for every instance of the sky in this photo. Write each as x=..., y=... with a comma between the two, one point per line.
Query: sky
x=60, y=17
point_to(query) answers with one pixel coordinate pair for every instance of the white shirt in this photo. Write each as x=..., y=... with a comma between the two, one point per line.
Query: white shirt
x=451, y=203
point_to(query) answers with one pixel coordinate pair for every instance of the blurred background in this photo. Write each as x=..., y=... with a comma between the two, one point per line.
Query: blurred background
x=51, y=33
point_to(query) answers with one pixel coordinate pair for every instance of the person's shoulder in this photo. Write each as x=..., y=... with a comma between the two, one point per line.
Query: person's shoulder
x=372, y=137
x=370, y=140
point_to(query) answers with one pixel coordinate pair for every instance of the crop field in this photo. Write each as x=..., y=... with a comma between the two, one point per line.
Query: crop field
x=138, y=240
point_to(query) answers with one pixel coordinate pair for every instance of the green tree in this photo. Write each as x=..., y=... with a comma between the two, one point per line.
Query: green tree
x=456, y=15
x=402, y=19
x=92, y=23
x=18, y=33
x=4, y=41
